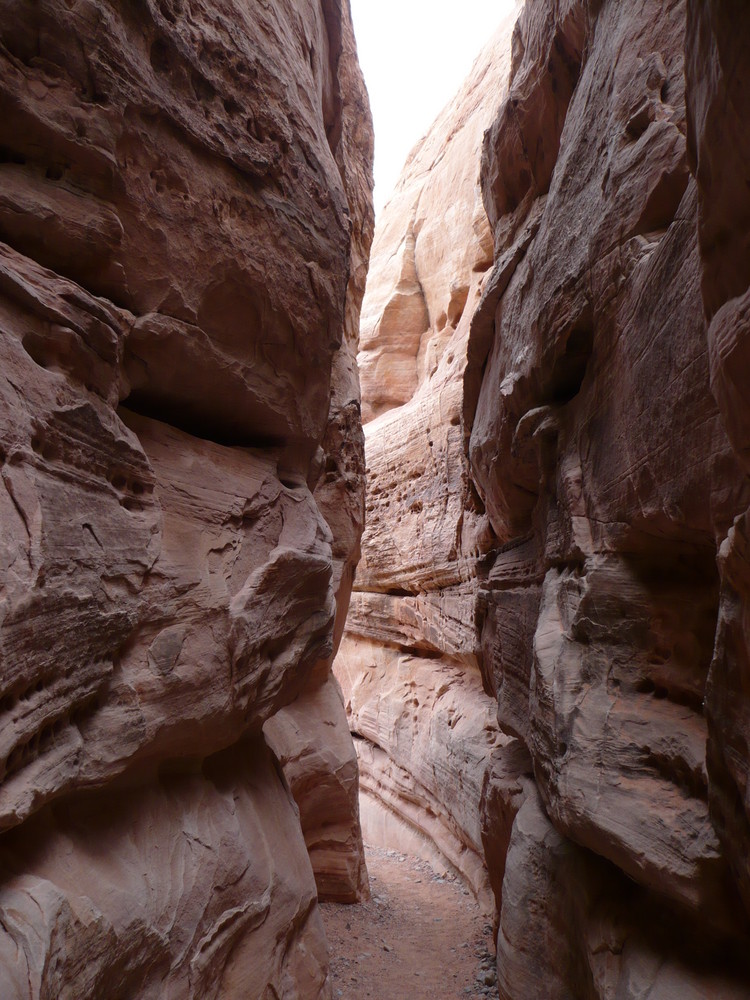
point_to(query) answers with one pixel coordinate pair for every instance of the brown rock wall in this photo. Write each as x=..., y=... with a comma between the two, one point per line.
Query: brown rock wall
x=717, y=74
x=185, y=221
x=311, y=737
x=196, y=884
x=424, y=732
x=311, y=740
x=572, y=928
x=588, y=566
x=599, y=450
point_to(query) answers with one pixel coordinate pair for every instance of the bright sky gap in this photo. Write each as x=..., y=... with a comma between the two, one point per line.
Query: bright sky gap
x=415, y=55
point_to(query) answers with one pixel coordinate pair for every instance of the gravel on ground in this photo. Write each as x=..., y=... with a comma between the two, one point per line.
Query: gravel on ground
x=421, y=936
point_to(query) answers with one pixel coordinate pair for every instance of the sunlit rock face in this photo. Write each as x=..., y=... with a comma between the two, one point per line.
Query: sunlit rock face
x=604, y=425
x=185, y=222
x=409, y=663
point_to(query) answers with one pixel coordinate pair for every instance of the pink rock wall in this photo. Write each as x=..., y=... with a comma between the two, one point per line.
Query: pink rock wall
x=185, y=222
x=409, y=664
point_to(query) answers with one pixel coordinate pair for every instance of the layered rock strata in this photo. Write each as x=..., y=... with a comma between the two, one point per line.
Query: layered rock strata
x=185, y=221
x=612, y=480
x=311, y=737
x=409, y=663
x=718, y=76
x=557, y=450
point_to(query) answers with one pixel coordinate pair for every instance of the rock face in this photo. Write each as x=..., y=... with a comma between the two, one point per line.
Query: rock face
x=409, y=664
x=718, y=74
x=312, y=742
x=612, y=479
x=311, y=738
x=185, y=222
x=558, y=502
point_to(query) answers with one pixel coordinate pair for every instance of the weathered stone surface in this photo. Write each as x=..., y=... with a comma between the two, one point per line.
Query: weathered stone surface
x=573, y=928
x=425, y=733
x=409, y=663
x=195, y=885
x=312, y=738
x=185, y=221
x=611, y=478
x=312, y=742
x=718, y=74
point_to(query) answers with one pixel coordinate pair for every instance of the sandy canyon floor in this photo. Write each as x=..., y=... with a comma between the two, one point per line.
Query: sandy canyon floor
x=420, y=937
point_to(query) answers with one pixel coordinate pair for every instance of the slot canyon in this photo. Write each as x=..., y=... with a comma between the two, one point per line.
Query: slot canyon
x=424, y=542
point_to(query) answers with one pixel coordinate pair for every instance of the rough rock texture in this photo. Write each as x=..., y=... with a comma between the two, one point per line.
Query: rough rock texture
x=425, y=730
x=718, y=77
x=195, y=885
x=612, y=479
x=558, y=451
x=311, y=737
x=184, y=187
x=312, y=742
x=409, y=664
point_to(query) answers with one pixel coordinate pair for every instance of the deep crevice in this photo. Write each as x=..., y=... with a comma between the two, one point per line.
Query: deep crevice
x=196, y=424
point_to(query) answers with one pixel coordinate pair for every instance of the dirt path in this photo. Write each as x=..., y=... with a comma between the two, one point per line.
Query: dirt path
x=420, y=937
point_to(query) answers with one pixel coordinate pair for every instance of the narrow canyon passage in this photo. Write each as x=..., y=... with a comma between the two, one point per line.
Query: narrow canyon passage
x=450, y=556
x=545, y=662
x=420, y=936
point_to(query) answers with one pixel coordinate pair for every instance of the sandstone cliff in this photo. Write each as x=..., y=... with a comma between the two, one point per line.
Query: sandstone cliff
x=557, y=454
x=718, y=76
x=409, y=663
x=185, y=222
x=611, y=484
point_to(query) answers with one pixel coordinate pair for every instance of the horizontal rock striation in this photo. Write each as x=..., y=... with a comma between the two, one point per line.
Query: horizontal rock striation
x=557, y=448
x=612, y=479
x=409, y=664
x=185, y=222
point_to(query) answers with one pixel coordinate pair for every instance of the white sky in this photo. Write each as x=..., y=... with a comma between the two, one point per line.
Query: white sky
x=415, y=55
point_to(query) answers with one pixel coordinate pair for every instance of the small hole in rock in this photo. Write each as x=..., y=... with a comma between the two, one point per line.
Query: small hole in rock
x=160, y=57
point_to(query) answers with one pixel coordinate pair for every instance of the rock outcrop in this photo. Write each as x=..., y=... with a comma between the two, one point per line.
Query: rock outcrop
x=409, y=662
x=718, y=76
x=311, y=737
x=558, y=502
x=185, y=222
x=612, y=480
